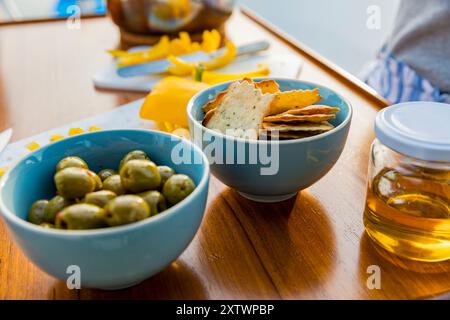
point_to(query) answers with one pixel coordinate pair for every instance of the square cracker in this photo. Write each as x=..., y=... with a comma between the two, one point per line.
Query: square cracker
x=240, y=111
x=303, y=126
x=212, y=104
x=294, y=118
x=268, y=86
x=294, y=99
x=314, y=109
x=297, y=134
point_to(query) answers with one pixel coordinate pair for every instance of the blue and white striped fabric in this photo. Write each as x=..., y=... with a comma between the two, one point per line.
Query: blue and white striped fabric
x=397, y=82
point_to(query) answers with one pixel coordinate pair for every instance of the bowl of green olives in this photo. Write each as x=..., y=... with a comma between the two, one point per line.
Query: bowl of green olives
x=121, y=205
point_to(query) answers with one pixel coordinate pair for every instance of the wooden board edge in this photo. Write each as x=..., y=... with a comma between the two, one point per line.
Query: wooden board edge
x=50, y=19
x=316, y=57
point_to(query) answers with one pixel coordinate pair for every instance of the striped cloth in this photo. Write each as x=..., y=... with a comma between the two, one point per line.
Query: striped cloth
x=398, y=82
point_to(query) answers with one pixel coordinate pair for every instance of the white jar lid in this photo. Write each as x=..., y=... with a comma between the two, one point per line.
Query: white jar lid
x=416, y=129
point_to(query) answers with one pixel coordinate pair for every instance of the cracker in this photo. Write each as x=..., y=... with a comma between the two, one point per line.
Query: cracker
x=268, y=86
x=249, y=80
x=294, y=99
x=218, y=99
x=304, y=126
x=297, y=134
x=294, y=118
x=314, y=109
x=208, y=116
x=240, y=112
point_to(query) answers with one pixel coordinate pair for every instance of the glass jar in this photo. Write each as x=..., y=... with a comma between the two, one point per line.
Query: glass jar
x=408, y=196
x=157, y=17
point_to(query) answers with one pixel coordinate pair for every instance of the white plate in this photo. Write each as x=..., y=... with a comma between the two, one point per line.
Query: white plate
x=280, y=65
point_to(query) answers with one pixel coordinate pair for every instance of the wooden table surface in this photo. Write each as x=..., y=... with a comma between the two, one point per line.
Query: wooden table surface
x=311, y=247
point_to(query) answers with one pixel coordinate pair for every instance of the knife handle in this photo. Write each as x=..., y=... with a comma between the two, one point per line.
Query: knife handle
x=252, y=48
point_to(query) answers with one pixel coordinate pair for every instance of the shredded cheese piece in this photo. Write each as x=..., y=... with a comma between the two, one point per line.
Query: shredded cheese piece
x=33, y=146
x=94, y=128
x=56, y=137
x=3, y=170
x=75, y=131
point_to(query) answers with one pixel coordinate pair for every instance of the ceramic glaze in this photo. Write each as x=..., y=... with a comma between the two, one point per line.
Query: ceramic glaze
x=109, y=258
x=301, y=162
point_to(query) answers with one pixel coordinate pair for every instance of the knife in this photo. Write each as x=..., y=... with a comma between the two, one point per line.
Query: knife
x=5, y=136
x=159, y=66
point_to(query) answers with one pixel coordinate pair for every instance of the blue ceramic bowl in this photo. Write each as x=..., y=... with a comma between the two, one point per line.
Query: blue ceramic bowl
x=109, y=258
x=286, y=166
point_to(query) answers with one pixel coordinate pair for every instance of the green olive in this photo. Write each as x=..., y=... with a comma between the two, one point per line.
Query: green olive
x=73, y=182
x=99, y=198
x=177, y=187
x=106, y=173
x=81, y=216
x=155, y=201
x=126, y=209
x=47, y=225
x=165, y=172
x=86, y=200
x=114, y=184
x=133, y=155
x=71, y=162
x=36, y=212
x=54, y=206
x=140, y=175
x=98, y=182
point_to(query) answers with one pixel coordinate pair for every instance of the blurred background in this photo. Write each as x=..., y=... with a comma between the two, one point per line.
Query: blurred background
x=31, y=10
x=347, y=41
x=336, y=30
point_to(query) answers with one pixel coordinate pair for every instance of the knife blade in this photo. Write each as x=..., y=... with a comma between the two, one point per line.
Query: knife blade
x=5, y=136
x=160, y=66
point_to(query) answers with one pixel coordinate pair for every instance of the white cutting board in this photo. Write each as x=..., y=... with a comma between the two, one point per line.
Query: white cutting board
x=127, y=116
x=280, y=65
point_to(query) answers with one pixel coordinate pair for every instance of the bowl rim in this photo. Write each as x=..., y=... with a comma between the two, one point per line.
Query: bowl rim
x=13, y=218
x=342, y=125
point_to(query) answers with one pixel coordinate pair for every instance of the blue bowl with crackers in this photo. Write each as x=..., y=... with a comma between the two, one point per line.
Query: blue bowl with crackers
x=269, y=138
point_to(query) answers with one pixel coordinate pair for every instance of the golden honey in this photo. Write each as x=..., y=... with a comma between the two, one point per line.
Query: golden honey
x=408, y=196
x=408, y=211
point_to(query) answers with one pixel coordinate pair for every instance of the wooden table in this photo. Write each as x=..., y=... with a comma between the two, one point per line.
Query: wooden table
x=311, y=247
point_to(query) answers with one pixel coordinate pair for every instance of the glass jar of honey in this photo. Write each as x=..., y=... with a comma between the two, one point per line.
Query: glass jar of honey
x=408, y=196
